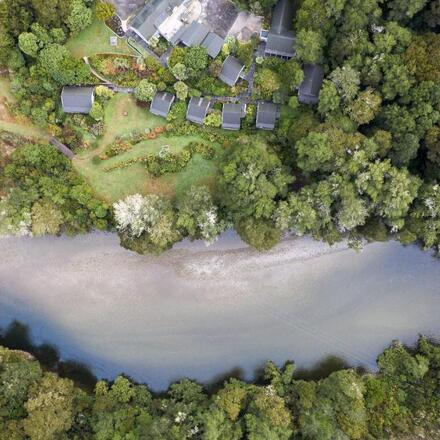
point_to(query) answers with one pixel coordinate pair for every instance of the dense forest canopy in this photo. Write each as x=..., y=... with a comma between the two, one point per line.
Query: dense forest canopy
x=363, y=163
x=402, y=398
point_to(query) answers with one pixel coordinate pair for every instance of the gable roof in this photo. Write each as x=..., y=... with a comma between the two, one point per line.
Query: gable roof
x=308, y=92
x=267, y=114
x=231, y=70
x=197, y=109
x=213, y=44
x=77, y=99
x=231, y=116
x=151, y=16
x=281, y=38
x=282, y=16
x=282, y=45
x=161, y=103
x=194, y=34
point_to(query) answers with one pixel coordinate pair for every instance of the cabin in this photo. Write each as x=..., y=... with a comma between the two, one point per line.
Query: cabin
x=267, y=115
x=197, y=109
x=280, y=40
x=77, y=99
x=213, y=44
x=232, y=69
x=308, y=91
x=232, y=115
x=161, y=104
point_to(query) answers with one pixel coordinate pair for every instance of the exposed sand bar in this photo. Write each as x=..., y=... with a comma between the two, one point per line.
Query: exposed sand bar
x=199, y=311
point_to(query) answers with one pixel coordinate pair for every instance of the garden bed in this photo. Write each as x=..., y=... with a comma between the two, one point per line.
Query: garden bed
x=115, y=24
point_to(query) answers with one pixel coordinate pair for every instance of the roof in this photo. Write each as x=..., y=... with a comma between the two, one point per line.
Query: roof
x=282, y=45
x=161, y=103
x=77, y=99
x=197, y=109
x=282, y=16
x=308, y=92
x=231, y=116
x=213, y=44
x=151, y=16
x=231, y=70
x=267, y=114
x=281, y=38
x=194, y=34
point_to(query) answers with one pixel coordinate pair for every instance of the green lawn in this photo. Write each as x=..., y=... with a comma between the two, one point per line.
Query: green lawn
x=114, y=185
x=96, y=39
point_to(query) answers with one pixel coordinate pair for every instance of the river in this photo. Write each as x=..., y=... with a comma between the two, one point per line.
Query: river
x=200, y=312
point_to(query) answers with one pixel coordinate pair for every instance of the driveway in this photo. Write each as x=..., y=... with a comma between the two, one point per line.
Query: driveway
x=126, y=8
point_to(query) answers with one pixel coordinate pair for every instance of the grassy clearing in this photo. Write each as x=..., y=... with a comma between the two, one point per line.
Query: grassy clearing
x=114, y=185
x=96, y=39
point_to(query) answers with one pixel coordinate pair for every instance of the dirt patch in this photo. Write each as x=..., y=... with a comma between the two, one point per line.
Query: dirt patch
x=162, y=186
x=246, y=25
x=4, y=112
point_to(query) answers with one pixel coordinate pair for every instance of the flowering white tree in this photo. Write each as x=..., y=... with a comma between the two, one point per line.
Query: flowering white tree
x=137, y=214
x=146, y=223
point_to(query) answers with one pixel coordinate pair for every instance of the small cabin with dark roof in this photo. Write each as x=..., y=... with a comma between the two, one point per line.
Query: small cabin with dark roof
x=77, y=99
x=281, y=38
x=213, y=44
x=161, y=103
x=197, y=109
x=267, y=115
x=232, y=69
x=308, y=91
x=232, y=115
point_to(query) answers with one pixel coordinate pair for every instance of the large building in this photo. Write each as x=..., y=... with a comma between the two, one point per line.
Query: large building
x=308, y=91
x=171, y=20
x=281, y=38
x=77, y=99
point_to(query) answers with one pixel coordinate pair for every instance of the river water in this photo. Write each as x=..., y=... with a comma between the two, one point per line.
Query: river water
x=199, y=312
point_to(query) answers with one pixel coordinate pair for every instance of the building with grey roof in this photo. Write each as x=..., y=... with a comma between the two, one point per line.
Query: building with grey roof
x=281, y=38
x=267, y=114
x=194, y=34
x=213, y=44
x=232, y=115
x=147, y=22
x=161, y=103
x=197, y=109
x=77, y=99
x=232, y=69
x=308, y=91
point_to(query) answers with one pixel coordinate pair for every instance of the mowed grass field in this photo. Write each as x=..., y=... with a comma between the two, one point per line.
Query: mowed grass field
x=96, y=39
x=123, y=116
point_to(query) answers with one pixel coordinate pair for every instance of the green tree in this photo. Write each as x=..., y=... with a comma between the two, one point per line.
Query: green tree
x=309, y=46
x=181, y=90
x=49, y=408
x=365, y=107
x=145, y=90
x=80, y=16
x=97, y=112
x=104, y=10
x=28, y=44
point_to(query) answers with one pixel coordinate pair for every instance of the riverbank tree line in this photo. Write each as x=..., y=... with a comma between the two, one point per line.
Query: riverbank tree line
x=362, y=164
x=401, y=398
